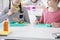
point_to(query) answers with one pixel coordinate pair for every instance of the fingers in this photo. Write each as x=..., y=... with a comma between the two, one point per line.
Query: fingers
x=55, y=25
x=36, y=22
x=13, y=10
x=16, y=19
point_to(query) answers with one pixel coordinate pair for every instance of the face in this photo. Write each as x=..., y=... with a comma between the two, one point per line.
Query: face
x=16, y=2
x=52, y=3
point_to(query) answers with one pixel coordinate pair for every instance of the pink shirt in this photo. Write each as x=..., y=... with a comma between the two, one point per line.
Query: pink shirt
x=50, y=17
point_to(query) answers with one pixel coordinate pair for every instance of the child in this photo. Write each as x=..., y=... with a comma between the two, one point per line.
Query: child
x=51, y=15
x=15, y=12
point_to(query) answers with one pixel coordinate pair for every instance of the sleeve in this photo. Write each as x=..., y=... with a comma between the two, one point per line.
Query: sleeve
x=59, y=24
x=3, y=15
x=42, y=17
x=26, y=16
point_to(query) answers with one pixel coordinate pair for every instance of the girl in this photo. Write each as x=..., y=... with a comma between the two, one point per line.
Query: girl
x=51, y=15
x=15, y=12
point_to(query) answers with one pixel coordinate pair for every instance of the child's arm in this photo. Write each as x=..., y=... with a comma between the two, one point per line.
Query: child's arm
x=3, y=15
x=56, y=25
x=26, y=16
x=40, y=21
x=6, y=13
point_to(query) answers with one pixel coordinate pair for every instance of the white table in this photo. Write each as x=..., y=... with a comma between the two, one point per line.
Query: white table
x=31, y=32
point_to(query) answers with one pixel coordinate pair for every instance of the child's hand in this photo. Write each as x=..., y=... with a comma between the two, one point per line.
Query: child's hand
x=56, y=25
x=11, y=11
x=16, y=19
x=37, y=22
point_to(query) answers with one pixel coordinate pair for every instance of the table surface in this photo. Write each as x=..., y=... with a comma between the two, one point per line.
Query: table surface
x=31, y=31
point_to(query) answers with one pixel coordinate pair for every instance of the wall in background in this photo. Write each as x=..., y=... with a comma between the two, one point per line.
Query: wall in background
x=1, y=5
x=5, y=3
x=59, y=4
